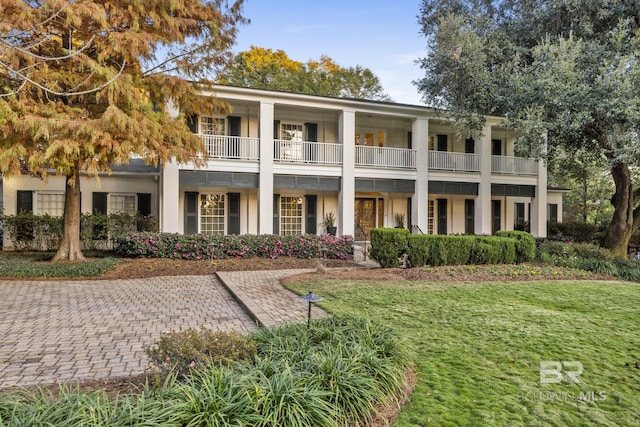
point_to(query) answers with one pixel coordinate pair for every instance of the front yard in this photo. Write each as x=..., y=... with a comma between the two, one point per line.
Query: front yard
x=479, y=347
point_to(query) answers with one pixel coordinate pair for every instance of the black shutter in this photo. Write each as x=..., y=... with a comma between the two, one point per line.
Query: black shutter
x=409, y=217
x=496, y=208
x=192, y=122
x=234, y=125
x=496, y=147
x=144, y=204
x=190, y=213
x=442, y=143
x=311, y=215
x=469, y=216
x=311, y=150
x=233, y=215
x=276, y=214
x=312, y=132
x=442, y=216
x=409, y=140
x=25, y=201
x=553, y=212
x=469, y=146
x=233, y=144
x=99, y=203
x=276, y=129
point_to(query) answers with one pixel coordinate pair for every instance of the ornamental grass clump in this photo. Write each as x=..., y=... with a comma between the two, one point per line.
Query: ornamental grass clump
x=184, y=350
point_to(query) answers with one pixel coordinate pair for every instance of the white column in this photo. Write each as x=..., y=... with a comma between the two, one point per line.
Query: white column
x=420, y=202
x=265, y=180
x=169, y=199
x=483, y=206
x=539, y=203
x=346, y=202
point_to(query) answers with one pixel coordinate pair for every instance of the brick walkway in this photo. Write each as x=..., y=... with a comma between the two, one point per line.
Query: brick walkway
x=75, y=330
x=268, y=303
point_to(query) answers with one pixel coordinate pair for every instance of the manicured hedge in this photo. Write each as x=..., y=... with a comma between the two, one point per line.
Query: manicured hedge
x=199, y=246
x=525, y=244
x=388, y=245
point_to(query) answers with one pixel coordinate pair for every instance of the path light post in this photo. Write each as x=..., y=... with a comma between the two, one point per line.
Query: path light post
x=310, y=297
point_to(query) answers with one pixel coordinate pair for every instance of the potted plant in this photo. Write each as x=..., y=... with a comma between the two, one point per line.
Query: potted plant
x=330, y=223
x=399, y=220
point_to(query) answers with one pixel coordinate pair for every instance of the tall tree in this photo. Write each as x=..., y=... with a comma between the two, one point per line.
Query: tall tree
x=568, y=67
x=262, y=68
x=87, y=84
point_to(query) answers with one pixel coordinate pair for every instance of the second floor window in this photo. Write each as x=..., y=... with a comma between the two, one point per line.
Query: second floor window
x=212, y=126
x=291, y=132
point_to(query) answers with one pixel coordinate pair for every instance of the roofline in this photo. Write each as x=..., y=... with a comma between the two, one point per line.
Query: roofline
x=347, y=102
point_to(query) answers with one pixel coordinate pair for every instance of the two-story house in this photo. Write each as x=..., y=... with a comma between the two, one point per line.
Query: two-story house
x=280, y=161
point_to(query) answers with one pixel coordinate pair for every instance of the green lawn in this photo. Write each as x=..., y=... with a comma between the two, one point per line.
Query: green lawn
x=479, y=347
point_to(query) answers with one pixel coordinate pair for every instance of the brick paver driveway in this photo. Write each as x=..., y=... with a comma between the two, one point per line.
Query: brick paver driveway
x=77, y=330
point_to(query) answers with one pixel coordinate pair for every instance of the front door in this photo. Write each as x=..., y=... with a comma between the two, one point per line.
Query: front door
x=365, y=217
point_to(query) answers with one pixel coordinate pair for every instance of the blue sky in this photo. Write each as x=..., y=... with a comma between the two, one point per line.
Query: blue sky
x=380, y=35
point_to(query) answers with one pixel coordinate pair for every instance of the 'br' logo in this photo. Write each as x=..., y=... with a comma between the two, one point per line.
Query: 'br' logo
x=551, y=372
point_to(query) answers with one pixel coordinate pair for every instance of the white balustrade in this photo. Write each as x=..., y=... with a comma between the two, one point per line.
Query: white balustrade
x=385, y=157
x=231, y=147
x=450, y=161
x=307, y=152
x=514, y=165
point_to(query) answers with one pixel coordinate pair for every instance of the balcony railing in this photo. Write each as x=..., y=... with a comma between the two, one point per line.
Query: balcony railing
x=514, y=165
x=323, y=153
x=385, y=157
x=458, y=162
x=231, y=147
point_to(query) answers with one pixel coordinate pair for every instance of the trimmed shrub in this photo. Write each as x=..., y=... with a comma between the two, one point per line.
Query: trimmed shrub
x=388, y=245
x=184, y=350
x=459, y=249
x=199, y=246
x=481, y=252
x=525, y=244
x=577, y=231
x=418, y=249
x=589, y=250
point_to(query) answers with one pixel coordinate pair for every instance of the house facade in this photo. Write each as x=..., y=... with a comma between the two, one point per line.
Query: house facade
x=279, y=162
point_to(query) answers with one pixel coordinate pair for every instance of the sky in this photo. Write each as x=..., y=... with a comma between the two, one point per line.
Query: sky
x=380, y=35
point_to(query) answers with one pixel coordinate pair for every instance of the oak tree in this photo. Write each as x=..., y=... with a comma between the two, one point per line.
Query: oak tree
x=569, y=68
x=88, y=84
x=261, y=68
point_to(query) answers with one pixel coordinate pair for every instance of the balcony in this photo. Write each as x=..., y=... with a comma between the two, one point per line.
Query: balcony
x=321, y=153
x=385, y=157
x=507, y=165
x=456, y=162
x=231, y=147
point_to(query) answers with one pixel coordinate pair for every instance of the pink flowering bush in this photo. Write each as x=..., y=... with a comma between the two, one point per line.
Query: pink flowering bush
x=198, y=246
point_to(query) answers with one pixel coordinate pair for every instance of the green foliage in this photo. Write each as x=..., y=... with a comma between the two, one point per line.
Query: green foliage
x=481, y=253
x=525, y=244
x=599, y=266
x=38, y=265
x=262, y=68
x=388, y=245
x=571, y=90
x=577, y=231
x=30, y=232
x=342, y=367
x=437, y=250
x=181, y=351
x=199, y=246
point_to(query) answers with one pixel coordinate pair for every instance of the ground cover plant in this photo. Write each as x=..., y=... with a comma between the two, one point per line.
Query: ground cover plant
x=479, y=346
x=333, y=373
x=37, y=265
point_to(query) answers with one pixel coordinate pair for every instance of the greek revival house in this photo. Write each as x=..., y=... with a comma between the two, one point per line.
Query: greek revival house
x=279, y=162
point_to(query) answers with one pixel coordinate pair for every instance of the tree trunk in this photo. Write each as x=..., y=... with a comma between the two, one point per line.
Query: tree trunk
x=69, y=249
x=622, y=224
